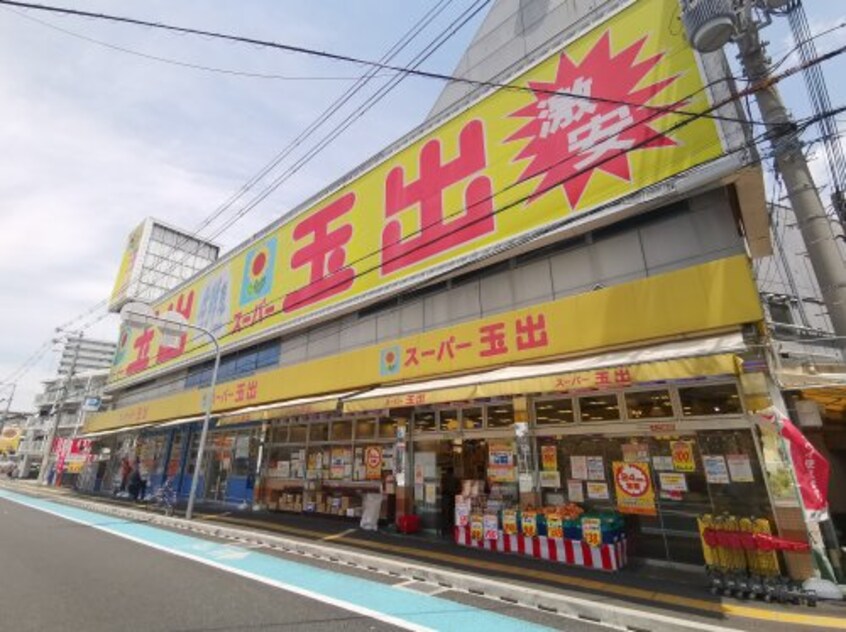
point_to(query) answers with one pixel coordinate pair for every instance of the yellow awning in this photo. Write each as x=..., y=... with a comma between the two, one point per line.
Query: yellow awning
x=291, y=408
x=678, y=360
x=104, y=433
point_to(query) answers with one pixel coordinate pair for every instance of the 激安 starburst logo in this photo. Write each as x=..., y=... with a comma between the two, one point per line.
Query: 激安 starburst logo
x=590, y=118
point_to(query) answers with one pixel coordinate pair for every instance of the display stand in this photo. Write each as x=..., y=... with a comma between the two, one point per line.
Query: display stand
x=607, y=557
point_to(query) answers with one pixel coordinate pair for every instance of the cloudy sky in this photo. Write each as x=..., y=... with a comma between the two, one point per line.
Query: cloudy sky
x=94, y=138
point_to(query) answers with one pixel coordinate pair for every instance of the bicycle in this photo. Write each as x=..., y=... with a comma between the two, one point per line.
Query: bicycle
x=164, y=498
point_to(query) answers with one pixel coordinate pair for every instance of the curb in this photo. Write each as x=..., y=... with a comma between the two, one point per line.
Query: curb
x=585, y=610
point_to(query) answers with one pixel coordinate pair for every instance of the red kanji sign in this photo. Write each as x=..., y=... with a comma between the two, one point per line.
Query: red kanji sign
x=438, y=231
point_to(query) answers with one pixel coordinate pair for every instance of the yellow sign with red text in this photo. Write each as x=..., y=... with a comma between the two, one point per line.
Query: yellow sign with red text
x=517, y=163
x=702, y=298
x=633, y=488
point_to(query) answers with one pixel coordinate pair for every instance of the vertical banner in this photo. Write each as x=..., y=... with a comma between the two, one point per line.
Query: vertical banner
x=809, y=466
x=633, y=486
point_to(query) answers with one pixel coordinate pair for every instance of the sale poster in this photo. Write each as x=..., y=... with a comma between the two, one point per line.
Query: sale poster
x=575, y=491
x=635, y=452
x=716, y=471
x=477, y=527
x=550, y=479
x=740, y=468
x=633, y=487
x=509, y=522
x=682, y=453
x=597, y=491
x=373, y=463
x=595, y=468
x=592, y=532
x=529, y=524
x=578, y=467
x=554, y=526
x=490, y=524
x=462, y=511
x=549, y=457
x=673, y=481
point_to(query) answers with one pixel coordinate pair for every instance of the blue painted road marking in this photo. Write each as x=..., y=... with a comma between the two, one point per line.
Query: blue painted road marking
x=397, y=606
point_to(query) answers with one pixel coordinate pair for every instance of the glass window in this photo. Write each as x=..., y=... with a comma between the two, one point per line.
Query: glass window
x=268, y=355
x=471, y=418
x=246, y=363
x=365, y=428
x=425, y=421
x=387, y=428
x=555, y=411
x=649, y=404
x=318, y=432
x=449, y=419
x=298, y=433
x=717, y=399
x=341, y=430
x=500, y=415
x=599, y=408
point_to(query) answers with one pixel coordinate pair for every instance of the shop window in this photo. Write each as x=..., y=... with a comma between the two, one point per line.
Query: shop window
x=556, y=411
x=299, y=432
x=365, y=428
x=341, y=430
x=425, y=421
x=599, y=408
x=717, y=399
x=387, y=428
x=500, y=416
x=472, y=418
x=318, y=432
x=649, y=404
x=449, y=419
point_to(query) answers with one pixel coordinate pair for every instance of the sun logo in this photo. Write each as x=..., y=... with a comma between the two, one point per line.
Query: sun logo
x=257, y=279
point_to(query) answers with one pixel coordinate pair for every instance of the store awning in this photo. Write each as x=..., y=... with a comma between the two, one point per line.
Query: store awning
x=290, y=408
x=677, y=360
x=104, y=433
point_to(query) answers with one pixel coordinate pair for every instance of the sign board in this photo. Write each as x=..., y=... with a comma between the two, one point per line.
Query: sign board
x=517, y=163
x=633, y=487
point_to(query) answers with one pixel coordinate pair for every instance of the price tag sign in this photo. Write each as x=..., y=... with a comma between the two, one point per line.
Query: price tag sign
x=592, y=532
x=682, y=454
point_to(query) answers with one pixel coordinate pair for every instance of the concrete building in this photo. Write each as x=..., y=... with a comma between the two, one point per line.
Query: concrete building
x=514, y=306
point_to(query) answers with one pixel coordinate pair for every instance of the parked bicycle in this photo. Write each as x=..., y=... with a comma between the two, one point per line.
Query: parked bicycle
x=163, y=498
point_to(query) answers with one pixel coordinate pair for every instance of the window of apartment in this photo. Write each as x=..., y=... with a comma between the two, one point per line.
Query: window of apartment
x=780, y=312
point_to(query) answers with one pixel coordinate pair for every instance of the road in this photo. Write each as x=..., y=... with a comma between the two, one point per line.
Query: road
x=68, y=569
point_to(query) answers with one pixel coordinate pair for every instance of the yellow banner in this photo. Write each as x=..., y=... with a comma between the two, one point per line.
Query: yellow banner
x=708, y=297
x=129, y=266
x=591, y=123
x=633, y=488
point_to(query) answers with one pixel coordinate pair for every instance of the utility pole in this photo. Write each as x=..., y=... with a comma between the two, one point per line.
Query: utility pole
x=813, y=222
x=8, y=402
x=57, y=409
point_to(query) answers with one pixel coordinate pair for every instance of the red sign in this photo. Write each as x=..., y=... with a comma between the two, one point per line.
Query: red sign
x=811, y=468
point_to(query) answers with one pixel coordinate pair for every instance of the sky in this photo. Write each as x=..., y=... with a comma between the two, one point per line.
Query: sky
x=94, y=139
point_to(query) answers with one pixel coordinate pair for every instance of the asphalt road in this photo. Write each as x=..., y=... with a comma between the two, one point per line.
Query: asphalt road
x=56, y=574
x=60, y=575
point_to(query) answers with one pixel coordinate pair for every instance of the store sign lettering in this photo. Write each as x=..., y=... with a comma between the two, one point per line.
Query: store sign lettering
x=512, y=165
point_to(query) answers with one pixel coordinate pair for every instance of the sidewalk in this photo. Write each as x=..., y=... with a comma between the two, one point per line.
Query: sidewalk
x=654, y=589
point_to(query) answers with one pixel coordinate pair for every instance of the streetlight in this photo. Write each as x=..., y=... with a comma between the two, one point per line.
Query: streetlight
x=172, y=324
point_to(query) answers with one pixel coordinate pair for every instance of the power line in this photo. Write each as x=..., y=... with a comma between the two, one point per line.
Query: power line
x=291, y=48
x=406, y=39
x=176, y=62
x=762, y=137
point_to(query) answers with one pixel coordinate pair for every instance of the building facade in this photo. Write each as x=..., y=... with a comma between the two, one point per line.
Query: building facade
x=537, y=304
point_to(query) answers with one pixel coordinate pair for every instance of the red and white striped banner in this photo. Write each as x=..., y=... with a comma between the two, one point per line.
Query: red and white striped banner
x=608, y=557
